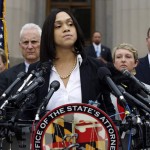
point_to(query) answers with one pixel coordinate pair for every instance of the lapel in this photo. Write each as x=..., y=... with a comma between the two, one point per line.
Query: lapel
x=147, y=66
x=20, y=67
x=103, y=50
x=85, y=82
x=146, y=62
x=93, y=51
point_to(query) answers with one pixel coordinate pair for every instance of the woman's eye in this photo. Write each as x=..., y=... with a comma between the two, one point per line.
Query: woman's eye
x=129, y=56
x=118, y=57
x=70, y=23
x=57, y=26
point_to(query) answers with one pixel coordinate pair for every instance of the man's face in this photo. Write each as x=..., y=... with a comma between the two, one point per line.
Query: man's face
x=30, y=45
x=96, y=38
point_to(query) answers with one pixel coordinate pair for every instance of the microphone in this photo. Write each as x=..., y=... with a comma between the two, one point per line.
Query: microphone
x=145, y=100
x=133, y=99
x=41, y=69
x=132, y=77
x=18, y=97
x=104, y=74
x=54, y=86
x=26, y=81
x=20, y=76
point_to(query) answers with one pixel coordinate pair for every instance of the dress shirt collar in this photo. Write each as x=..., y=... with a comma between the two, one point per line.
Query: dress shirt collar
x=149, y=58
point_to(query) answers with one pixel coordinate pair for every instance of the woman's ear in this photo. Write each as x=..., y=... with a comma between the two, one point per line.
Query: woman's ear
x=136, y=63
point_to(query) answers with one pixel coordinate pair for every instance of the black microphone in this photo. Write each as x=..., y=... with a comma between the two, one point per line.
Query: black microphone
x=133, y=100
x=20, y=76
x=18, y=97
x=132, y=77
x=54, y=86
x=41, y=69
x=104, y=74
x=26, y=81
x=144, y=100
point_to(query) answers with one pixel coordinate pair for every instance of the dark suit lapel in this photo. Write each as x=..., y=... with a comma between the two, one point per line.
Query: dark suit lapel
x=20, y=68
x=146, y=65
x=93, y=51
x=103, y=50
x=146, y=62
x=85, y=82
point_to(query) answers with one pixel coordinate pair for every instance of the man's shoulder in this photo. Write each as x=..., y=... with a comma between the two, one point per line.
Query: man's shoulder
x=102, y=45
x=143, y=58
x=16, y=68
x=105, y=47
x=13, y=71
x=143, y=61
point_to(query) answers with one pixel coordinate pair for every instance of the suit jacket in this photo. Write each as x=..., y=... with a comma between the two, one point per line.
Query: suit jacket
x=143, y=70
x=9, y=75
x=105, y=52
x=6, y=79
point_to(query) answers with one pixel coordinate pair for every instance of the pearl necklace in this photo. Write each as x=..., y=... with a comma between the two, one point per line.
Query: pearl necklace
x=68, y=75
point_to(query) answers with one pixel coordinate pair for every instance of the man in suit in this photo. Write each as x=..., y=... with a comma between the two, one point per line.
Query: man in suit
x=30, y=37
x=97, y=50
x=143, y=68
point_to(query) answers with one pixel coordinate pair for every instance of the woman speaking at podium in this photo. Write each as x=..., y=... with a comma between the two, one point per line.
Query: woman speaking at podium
x=62, y=44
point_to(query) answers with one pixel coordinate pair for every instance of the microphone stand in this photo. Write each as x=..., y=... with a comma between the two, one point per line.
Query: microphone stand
x=54, y=86
x=9, y=127
x=41, y=108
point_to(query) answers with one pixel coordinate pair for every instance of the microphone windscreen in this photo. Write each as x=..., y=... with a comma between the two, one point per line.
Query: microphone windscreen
x=103, y=72
x=45, y=66
x=126, y=73
x=33, y=66
x=21, y=75
x=55, y=85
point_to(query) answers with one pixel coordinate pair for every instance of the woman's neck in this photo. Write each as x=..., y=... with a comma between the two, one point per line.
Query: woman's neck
x=65, y=55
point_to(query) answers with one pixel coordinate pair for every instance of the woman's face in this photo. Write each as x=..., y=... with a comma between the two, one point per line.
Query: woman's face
x=2, y=65
x=65, y=34
x=124, y=59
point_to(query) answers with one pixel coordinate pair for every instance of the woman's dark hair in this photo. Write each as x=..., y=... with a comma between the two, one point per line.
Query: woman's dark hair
x=47, y=48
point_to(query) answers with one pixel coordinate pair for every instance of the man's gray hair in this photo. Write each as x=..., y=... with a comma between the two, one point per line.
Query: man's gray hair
x=30, y=26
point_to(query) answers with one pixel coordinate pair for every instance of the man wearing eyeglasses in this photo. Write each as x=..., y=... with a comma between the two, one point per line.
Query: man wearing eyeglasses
x=143, y=68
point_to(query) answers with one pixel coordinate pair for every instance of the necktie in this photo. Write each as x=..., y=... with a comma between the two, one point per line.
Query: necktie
x=97, y=51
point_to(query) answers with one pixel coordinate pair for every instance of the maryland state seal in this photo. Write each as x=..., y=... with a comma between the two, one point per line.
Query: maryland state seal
x=76, y=127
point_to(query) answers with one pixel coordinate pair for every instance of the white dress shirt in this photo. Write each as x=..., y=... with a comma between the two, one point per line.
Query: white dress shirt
x=26, y=66
x=69, y=94
x=149, y=58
